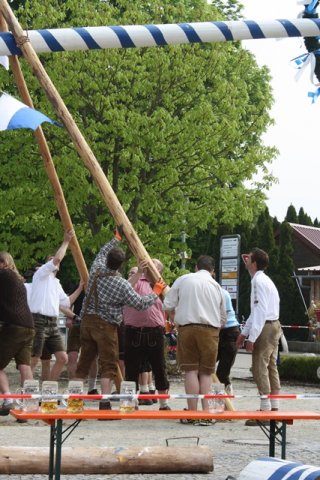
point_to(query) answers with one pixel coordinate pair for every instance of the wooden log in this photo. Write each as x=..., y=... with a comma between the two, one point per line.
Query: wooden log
x=76, y=460
x=49, y=166
x=79, y=142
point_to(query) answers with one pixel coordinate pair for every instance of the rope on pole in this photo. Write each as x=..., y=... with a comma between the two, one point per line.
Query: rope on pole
x=135, y=36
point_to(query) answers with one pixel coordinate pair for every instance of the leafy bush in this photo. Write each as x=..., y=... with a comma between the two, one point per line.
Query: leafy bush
x=300, y=368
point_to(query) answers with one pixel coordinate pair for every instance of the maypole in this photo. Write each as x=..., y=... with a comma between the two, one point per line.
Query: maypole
x=79, y=141
x=135, y=36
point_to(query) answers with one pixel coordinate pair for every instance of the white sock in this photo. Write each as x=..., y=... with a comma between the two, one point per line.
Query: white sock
x=163, y=403
x=7, y=401
x=151, y=387
x=92, y=383
x=275, y=403
x=143, y=388
x=265, y=404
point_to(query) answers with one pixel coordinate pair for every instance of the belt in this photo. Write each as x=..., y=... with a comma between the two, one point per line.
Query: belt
x=144, y=329
x=45, y=317
x=198, y=325
x=271, y=321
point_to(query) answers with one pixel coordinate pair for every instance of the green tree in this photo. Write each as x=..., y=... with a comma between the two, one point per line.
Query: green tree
x=303, y=218
x=177, y=131
x=291, y=216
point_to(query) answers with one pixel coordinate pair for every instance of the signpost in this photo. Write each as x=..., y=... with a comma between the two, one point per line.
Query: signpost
x=230, y=266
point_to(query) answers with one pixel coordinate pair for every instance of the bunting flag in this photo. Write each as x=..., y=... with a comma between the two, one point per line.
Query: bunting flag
x=15, y=114
x=4, y=61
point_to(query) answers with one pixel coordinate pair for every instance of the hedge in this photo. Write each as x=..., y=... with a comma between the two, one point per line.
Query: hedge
x=300, y=368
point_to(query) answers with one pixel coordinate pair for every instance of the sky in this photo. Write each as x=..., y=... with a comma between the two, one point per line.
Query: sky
x=296, y=131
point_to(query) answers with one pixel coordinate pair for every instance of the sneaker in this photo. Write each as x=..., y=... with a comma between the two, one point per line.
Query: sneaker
x=152, y=392
x=166, y=407
x=94, y=391
x=145, y=402
x=5, y=408
x=204, y=422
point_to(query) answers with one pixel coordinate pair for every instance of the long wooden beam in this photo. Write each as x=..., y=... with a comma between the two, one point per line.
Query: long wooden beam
x=78, y=139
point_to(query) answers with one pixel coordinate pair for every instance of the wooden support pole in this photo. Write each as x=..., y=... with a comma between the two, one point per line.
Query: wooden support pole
x=102, y=461
x=227, y=401
x=49, y=166
x=79, y=141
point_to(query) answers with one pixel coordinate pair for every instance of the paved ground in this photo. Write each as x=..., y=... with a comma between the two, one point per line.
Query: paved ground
x=233, y=444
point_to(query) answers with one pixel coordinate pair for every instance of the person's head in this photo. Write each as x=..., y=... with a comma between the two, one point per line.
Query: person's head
x=7, y=262
x=159, y=266
x=205, y=262
x=132, y=271
x=258, y=258
x=115, y=258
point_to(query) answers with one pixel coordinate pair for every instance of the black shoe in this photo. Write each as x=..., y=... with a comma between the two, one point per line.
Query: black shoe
x=145, y=402
x=105, y=405
x=152, y=392
x=94, y=391
x=5, y=409
x=21, y=420
x=166, y=407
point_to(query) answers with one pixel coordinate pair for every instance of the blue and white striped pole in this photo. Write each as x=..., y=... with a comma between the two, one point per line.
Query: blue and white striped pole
x=132, y=36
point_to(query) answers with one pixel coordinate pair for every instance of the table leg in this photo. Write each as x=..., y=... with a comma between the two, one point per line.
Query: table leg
x=272, y=438
x=58, y=449
x=284, y=440
x=51, y=449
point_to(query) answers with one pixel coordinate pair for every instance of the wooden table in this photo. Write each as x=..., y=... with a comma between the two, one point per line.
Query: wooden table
x=276, y=431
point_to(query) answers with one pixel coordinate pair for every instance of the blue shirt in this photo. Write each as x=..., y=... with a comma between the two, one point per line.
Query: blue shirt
x=231, y=316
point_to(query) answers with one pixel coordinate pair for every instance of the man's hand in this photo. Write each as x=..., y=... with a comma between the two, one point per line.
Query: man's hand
x=249, y=346
x=68, y=235
x=240, y=341
x=159, y=287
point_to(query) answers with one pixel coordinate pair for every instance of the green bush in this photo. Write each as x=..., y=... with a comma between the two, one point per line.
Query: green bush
x=300, y=368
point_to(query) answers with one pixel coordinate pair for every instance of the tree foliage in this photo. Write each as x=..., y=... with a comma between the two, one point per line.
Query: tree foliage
x=177, y=131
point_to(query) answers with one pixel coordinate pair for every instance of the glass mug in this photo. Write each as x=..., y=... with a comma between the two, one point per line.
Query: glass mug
x=216, y=405
x=127, y=405
x=74, y=405
x=29, y=404
x=49, y=401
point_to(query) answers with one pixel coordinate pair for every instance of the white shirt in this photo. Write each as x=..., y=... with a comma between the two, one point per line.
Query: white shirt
x=196, y=298
x=265, y=303
x=46, y=292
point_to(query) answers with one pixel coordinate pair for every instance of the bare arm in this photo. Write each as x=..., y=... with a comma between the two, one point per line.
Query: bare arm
x=73, y=297
x=59, y=255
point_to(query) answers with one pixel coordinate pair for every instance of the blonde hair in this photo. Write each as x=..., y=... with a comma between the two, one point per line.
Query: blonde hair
x=8, y=263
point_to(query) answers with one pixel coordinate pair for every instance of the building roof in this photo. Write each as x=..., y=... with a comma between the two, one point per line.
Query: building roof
x=308, y=235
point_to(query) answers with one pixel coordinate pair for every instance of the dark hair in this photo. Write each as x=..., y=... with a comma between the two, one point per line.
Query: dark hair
x=260, y=257
x=205, y=262
x=115, y=258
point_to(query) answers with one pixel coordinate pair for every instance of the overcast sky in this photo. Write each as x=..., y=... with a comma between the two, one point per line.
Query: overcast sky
x=296, y=132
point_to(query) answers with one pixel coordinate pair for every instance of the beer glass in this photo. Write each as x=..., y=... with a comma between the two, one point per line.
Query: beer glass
x=29, y=404
x=74, y=405
x=127, y=405
x=49, y=401
x=216, y=405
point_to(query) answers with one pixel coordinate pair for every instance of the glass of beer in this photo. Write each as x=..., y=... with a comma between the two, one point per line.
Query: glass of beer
x=74, y=405
x=49, y=401
x=127, y=405
x=216, y=405
x=29, y=404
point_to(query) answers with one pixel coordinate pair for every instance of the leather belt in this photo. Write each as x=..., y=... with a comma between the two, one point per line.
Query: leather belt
x=205, y=325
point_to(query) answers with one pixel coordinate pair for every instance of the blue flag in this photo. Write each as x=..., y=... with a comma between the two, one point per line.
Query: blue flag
x=15, y=114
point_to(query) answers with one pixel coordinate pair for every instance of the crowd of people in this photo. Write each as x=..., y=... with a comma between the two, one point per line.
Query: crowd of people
x=117, y=326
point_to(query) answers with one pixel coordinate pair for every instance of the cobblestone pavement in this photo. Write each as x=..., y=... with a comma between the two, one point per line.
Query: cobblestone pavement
x=233, y=444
